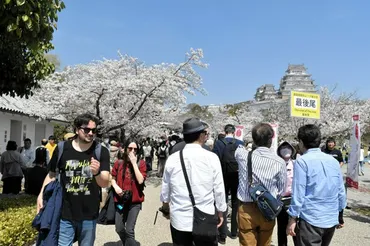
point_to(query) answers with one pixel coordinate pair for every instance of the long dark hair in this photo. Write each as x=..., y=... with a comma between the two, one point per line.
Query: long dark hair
x=124, y=156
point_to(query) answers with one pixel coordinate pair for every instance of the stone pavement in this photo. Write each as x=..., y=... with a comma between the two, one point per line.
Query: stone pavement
x=355, y=232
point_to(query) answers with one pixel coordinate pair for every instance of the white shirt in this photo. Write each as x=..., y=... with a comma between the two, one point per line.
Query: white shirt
x=362, y=151
x=28, y=156
x=205, y=176
x=147, y=151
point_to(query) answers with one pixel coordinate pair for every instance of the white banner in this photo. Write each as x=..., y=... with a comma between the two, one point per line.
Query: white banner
x=274, y=146
x=239, y=132
x=354, y=156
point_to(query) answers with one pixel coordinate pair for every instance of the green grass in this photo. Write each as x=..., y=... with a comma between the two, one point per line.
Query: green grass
x=363, y=211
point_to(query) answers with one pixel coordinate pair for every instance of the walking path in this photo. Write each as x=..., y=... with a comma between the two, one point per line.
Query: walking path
x=355, y=232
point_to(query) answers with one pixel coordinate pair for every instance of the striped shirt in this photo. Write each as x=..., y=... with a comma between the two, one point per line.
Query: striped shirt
x=268, y=169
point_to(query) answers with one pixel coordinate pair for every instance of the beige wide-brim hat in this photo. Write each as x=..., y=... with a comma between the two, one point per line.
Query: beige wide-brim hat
x=113, y=143
x=68, y=135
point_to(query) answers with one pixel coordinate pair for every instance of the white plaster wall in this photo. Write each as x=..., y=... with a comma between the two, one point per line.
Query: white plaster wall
x=49, y=130
x=5, y=119
x=4, y=126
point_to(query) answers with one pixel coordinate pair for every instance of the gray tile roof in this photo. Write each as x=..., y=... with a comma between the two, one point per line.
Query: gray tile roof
x=17, y=105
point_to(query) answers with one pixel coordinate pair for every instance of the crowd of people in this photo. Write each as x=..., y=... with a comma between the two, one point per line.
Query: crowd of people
x=307, y=182
x=199, y=177
x=25, y=163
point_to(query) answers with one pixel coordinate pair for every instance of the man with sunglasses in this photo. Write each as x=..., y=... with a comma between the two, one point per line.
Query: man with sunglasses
x=81, y=176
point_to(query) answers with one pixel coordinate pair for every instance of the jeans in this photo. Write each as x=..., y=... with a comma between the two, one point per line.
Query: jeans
x=161, y=164
x=148, y=161
x=231, y=184
x=125, y=223
x=185, y=238
x=83, y=231
x=361, y=169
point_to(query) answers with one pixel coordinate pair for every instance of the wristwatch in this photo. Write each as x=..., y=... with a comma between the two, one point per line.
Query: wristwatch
x=97, y=173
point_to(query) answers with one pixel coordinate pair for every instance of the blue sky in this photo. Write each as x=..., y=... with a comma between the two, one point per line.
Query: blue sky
x=247, y=43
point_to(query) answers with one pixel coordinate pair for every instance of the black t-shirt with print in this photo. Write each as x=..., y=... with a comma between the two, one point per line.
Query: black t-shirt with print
x=81, y=196
x=335, y=153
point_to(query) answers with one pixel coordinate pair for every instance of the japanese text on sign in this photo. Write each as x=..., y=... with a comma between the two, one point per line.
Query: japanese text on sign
x=306, y=105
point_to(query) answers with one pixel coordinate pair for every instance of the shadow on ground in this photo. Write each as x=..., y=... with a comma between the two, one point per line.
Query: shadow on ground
x=118, y=243
x=153, y=180
x=357, y=217
x=165, y=244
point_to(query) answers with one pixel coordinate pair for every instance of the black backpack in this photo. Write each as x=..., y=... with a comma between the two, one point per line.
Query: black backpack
x=40, y=156
x=228, y=162
x=162, y=152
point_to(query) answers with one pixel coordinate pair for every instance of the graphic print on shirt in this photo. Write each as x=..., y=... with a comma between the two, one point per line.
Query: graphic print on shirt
x=78, y=177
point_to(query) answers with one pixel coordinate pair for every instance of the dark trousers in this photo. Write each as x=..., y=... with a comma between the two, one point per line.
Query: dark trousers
x=25, y=174
x=282, y=221
x=309, y=235
x=231, y=185
x=148, y=161
x=185, y=238
x=12, y=185
x=125, y=223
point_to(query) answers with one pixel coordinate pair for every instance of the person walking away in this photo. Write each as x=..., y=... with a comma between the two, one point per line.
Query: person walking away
x=11, y=164
x=128, y=176
x=37, y=174
x=269, y=170
x=318, y=196
x=44, y=151
x=81, y=177
x=147, y=149
x=28, y=154
x=225, y=150
x=162, y=154
x=287, y=152
x=204, y=173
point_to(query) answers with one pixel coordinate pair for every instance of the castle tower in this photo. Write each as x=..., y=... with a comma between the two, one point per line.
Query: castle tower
x=296, y=78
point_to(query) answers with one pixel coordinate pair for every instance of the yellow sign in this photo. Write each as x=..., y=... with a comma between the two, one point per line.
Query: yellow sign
x=305, y=105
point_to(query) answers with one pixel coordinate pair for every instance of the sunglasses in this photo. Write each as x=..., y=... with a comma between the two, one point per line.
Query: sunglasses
x=132, y=148
x=87, y=130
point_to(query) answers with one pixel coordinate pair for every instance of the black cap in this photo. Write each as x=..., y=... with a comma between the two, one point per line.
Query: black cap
x=192, y=125
x=229, y=128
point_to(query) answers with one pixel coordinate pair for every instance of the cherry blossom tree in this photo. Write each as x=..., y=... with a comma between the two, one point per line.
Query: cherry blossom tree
x=125, y=93
x=336, y=114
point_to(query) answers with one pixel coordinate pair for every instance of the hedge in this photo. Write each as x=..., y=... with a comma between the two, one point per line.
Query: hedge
x=16, y=215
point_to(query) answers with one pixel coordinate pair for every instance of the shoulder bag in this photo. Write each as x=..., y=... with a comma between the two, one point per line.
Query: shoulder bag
x=204, y=225
x=269, y=206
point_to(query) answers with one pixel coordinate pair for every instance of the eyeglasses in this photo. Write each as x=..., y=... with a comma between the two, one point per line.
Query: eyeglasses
x=87, y=130
x=132, y=148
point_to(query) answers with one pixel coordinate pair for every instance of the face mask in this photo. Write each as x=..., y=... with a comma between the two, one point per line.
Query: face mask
x=286, y=152
x=106, y=140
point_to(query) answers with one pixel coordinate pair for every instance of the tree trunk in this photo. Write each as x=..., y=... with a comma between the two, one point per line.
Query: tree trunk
x=122, y=135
